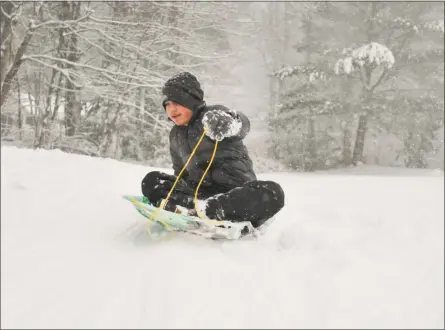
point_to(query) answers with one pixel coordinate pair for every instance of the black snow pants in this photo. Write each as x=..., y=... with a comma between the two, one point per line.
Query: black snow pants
x=255, y=201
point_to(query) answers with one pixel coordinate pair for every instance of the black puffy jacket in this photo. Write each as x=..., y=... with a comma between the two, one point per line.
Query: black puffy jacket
x=231, y=167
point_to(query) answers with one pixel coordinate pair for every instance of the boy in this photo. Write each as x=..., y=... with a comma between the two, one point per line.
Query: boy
x=230, y=190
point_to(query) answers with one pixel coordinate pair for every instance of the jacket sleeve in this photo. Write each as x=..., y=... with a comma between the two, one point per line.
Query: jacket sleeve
x=245, y=125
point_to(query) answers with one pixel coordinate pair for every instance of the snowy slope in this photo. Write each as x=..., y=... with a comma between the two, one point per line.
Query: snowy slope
x=347, y=251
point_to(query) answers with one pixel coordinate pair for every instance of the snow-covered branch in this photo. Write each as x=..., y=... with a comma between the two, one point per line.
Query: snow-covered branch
x=371, y=55
x=35, y=26
x=139, y=24
x=310, y=72
x=106, y=73
x=436, y=25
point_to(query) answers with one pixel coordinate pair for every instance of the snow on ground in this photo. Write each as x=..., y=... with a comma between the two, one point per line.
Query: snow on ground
x=347, y=251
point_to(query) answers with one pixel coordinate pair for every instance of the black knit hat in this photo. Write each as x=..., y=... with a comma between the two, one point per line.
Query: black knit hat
x=184, y=89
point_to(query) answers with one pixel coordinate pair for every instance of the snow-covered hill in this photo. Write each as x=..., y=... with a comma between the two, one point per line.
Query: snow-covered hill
x=347, y=251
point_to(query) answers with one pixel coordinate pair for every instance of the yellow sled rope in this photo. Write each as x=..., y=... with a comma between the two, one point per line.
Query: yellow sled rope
x=195, y=200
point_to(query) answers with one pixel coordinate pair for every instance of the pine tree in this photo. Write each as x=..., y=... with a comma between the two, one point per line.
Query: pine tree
x=375, y=57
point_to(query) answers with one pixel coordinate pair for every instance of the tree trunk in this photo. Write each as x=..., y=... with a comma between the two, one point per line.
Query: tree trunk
x=360, y=139
x=108, y=146
x=311, y=155
x=347, y=157
x=39, y=113
x=72, y=110
x=70, y=11
x=19, y=115
x=6, y=37
x=11, y=73
x=7, y=72
x=363, y=119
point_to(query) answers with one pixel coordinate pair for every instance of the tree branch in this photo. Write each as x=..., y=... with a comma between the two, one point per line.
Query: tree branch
x=106, y=73
x=382, y=76
x=59, y=22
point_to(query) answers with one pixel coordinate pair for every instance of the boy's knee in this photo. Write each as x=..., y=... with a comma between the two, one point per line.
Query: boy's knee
x=150, y=177
x=149, y=182
x=277, y=192
x=274, y=190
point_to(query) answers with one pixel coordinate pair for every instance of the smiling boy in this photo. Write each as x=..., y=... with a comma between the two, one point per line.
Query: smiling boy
x=230, y=190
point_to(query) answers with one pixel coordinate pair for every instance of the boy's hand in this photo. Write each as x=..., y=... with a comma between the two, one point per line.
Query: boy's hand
x=221, y=124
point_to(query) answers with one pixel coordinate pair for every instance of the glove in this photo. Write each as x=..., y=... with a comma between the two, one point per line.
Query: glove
x=221, y=124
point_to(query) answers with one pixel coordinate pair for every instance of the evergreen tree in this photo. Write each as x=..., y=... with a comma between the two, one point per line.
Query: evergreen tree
x=376, y=57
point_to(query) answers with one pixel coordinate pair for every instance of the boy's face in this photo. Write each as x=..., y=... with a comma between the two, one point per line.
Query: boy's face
x=178, y=113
